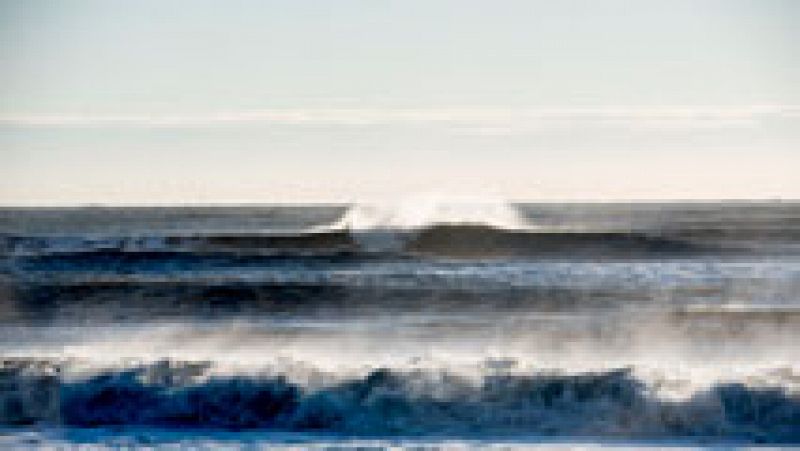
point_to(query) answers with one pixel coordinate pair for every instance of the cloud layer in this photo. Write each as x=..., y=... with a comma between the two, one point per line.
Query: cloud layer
x=497, y=119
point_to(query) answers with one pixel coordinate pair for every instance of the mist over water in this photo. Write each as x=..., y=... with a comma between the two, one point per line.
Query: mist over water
x=426, y=317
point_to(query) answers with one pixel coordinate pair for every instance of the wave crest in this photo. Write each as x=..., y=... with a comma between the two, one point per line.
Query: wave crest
x=386, y=402
x=390, y=226
x=420, y=212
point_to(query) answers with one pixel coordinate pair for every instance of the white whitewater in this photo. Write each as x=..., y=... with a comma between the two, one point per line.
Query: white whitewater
x=415, y=213
x=388, y=226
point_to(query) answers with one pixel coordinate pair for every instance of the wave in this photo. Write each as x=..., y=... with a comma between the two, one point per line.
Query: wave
x=421, y=225
x=479, y=240
x=122, y=299
x=417, y=213
x=393, y=227
x=386, y=402
x=296, y=243
x=445, y=240
x=471, y=228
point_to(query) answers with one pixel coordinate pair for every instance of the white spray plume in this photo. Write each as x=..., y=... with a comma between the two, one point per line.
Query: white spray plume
x=418, y=212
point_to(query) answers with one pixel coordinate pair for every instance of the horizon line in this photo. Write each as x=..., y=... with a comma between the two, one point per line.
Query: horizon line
x=350, y=203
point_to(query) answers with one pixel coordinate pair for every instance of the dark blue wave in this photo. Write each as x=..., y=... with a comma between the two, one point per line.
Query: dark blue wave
x=609, y=404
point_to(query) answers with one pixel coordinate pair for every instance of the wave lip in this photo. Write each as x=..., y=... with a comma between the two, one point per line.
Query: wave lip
x=420, y=212
x=391, y=226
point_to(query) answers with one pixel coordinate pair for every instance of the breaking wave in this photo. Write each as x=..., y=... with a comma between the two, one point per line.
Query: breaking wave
x=419, y=213
x=429, y=226
x=385, y=402
x=391, y=226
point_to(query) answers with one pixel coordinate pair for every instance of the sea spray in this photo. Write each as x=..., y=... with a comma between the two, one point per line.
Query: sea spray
x=389, y=226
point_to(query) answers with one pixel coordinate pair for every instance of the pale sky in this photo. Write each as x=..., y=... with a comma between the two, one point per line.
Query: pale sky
x=167, y=101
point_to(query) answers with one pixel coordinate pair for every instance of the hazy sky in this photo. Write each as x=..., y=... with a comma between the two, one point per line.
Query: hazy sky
x=298, y=100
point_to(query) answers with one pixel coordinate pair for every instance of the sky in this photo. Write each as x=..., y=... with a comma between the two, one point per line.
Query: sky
x=170, y=101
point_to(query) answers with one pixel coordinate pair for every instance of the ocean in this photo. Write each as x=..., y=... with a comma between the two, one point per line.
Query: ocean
x=416, y=324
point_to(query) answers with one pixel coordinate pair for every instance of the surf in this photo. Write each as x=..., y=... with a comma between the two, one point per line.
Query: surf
x=391, y=226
